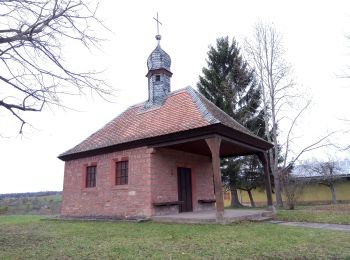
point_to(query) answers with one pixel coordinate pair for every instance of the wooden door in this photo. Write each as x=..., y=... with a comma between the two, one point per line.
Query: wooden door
x=184, y=188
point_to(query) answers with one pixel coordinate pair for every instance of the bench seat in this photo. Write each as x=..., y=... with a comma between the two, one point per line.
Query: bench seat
x=167, y=203
x=207, y=201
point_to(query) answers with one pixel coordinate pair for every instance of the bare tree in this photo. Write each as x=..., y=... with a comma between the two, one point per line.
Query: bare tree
x=33, y=70
x=293, y=187
x=326, y=173
x=273, y=73
x=265, y=50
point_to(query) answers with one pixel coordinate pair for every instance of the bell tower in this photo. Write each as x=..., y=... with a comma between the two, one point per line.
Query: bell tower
x=159, y=74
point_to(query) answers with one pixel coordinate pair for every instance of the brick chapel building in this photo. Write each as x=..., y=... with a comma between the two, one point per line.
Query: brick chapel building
x=158, y=157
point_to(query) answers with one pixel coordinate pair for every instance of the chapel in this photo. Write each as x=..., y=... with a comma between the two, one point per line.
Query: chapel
x=159, y=157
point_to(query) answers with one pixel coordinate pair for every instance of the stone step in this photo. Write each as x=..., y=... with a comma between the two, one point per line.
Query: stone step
x=198, y=218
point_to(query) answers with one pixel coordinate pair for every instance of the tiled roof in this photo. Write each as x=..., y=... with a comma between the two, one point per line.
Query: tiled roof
x=183, y=110
x=213, y=114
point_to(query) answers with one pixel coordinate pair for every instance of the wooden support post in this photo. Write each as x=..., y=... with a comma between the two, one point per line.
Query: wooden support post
x=214, y=146
x=265, y=163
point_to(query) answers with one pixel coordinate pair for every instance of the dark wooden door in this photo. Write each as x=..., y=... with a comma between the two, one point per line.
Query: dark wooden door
x=185, y=188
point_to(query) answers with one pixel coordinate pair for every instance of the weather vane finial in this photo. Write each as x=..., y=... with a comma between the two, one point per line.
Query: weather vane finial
x=158, y=37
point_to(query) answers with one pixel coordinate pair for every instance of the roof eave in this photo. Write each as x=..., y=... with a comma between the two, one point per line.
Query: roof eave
x=244, y=138
x=218, y=128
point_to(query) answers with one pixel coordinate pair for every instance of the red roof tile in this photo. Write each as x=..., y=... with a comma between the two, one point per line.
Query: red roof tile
x=184, y=109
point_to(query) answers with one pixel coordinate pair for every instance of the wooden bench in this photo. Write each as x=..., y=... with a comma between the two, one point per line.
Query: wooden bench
x=167, y=203
x=207, y=201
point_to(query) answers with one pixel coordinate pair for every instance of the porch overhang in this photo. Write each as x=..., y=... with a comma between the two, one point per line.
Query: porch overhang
x=233, y=143
x=229, y=147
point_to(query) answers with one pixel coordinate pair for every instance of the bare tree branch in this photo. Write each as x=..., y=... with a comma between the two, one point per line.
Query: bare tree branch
x=33, y=73
x=288, y=139
x=313, y=146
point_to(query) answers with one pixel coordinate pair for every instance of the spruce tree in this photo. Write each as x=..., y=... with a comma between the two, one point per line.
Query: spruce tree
x=230, y=84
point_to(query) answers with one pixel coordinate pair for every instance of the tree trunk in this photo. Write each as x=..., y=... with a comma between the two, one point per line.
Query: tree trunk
x=234, y=197
x=274, y=159
x=334, y=197
x=278, y=191
x=276, y=180
x=252, y=203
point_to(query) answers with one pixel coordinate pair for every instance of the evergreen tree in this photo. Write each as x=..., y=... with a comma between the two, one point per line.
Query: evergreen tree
x=230, y=84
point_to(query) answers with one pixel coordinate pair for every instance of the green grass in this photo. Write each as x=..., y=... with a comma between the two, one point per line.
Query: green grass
x=336, y=214
x=30, y=237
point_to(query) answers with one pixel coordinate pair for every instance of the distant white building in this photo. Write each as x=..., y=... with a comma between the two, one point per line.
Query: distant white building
x=302, y=170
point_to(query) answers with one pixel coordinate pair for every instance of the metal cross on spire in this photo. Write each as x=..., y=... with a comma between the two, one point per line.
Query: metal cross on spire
x=158, y=37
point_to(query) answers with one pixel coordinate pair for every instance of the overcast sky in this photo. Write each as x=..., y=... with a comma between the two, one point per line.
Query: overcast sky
x=314, y=37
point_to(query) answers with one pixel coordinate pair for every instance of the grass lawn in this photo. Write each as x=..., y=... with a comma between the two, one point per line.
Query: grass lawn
x=336, y=214
x=30, y=237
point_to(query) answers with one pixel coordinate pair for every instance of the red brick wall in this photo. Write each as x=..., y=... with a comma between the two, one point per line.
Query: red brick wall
x=154, y=169
x=164, y=163
x=108, y=199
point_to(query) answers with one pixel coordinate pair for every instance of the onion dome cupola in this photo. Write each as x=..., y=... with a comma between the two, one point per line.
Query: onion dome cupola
x=158, y=59
x=159, y=74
